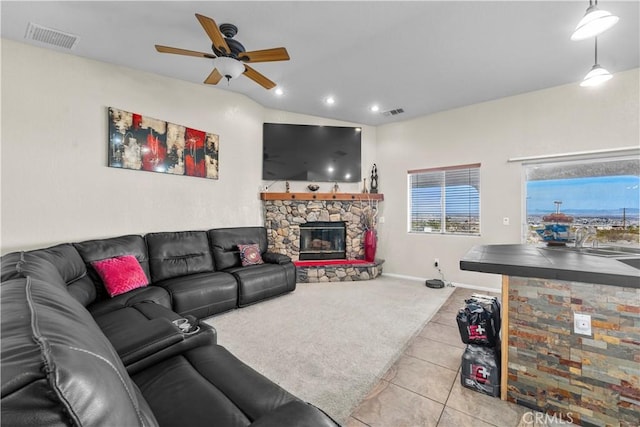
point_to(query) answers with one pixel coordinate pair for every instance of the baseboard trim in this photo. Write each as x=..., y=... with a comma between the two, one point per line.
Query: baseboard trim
x=455, y=284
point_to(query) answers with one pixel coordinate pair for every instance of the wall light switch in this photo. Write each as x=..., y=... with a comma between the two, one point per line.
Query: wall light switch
x=581, y=324
x=381, y=220
x=505, y=220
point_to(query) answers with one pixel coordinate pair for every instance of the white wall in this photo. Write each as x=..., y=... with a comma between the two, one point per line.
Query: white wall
x=556, y=120
x=56, y=186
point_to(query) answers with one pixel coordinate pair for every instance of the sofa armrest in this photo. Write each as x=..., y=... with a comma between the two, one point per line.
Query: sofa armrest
x=206, y=336
x=145, y=339
x=274, y=258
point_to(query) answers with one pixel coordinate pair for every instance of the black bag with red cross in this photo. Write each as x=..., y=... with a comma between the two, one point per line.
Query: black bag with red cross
x=481, y=369
x=479, y=321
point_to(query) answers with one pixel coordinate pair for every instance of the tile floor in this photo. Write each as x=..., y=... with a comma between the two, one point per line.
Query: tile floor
x=422, y=389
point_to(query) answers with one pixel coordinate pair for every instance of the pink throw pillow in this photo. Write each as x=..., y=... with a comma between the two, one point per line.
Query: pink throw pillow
x=250, y=254
x=121, y=274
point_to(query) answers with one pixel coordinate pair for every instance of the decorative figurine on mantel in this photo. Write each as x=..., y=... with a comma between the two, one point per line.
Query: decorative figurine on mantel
x=336, y=188
x=374, y=179
x=364, y=185
x=287, y=187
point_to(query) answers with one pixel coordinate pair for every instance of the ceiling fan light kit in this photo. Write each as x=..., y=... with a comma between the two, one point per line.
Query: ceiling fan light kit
x=594, y=23
x=229, y=55
x=229, y=68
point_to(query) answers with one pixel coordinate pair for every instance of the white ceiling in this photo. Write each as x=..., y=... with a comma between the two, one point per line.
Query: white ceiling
x=422, y=56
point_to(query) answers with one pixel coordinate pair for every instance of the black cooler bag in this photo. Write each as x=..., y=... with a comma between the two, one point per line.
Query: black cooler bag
x=479, y=321
x=481, y=370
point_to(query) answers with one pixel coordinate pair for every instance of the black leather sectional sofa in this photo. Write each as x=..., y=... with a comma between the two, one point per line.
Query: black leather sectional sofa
x=73, y=355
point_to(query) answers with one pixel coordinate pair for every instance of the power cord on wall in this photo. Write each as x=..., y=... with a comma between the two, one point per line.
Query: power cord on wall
x=446, y=282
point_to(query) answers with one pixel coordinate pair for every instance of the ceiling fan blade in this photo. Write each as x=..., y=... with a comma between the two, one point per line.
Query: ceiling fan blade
x=178, y=51
x=211, y=28
x=265, y=55
x=214, y=77
x=258, y=78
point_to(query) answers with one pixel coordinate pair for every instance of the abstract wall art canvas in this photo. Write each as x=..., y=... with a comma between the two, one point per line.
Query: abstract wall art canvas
x=144, y=143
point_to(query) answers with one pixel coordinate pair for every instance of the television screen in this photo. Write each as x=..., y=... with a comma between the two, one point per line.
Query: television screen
x=310, y=153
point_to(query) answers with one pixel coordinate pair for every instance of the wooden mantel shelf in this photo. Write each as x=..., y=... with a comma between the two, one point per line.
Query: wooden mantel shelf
x=322, y=196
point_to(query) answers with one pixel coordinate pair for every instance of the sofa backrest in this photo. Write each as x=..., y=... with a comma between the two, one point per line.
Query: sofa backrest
x=57, y=366
x=225, y=241
x=95, y=250
x=179, y=253
x=72, y=269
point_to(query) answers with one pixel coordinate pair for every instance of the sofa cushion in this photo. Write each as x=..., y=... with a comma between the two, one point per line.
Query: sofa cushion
x=250, y=254
x=153, y=294
x=95, y=250
x=258, y=282
x=73, y=270
x=203, y=294
x=174, y=254
x=225, y=241
x=221, y=388
x=120, y=274
x=57, y=366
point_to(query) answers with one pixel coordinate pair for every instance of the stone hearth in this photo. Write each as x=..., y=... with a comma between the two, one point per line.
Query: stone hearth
x=339, y=273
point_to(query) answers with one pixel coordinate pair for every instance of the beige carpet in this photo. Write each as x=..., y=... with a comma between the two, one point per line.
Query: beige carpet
x=328, y=343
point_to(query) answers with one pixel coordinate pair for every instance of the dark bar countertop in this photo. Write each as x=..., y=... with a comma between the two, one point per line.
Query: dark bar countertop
x=550, y=263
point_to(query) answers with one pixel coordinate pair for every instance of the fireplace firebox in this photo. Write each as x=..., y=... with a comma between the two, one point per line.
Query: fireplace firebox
x=323, y=240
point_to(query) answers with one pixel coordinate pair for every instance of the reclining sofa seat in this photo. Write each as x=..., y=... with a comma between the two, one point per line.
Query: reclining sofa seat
x=99, y=249
x=58, y=368
x=84, y=284
x=277, y=275
x=181, y=263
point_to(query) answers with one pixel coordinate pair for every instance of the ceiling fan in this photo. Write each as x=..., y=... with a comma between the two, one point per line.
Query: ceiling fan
x=229, y=55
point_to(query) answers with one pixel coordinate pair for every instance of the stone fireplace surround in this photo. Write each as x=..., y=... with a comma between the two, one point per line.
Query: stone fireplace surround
x=284, y=212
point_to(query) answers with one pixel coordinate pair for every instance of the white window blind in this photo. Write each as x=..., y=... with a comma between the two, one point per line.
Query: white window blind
x=445, y=200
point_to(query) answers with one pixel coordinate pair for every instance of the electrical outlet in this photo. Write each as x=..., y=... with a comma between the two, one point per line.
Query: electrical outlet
x=436, y=262
x=581, y=324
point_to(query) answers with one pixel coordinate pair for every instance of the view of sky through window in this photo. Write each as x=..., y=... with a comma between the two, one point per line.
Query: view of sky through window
x=602, y=194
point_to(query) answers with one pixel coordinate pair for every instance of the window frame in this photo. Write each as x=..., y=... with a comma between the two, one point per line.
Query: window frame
x=443, y=208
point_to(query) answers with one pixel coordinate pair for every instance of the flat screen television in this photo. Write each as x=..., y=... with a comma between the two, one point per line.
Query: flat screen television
x=311, y=153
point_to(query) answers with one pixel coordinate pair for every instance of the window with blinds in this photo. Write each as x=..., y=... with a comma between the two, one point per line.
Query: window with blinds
x=445, y=200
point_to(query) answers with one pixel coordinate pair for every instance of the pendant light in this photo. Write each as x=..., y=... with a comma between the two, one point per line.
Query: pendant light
x=594, y=22
x=597, y=75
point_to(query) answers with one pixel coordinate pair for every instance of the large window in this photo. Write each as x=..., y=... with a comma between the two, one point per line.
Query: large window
x=445, y=200
x=602, y=194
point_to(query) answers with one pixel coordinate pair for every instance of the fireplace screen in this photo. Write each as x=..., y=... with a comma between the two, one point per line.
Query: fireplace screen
x=322, y=240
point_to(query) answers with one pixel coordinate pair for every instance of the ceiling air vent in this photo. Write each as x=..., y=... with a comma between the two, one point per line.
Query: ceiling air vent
x=394, y=112
x=50, y=36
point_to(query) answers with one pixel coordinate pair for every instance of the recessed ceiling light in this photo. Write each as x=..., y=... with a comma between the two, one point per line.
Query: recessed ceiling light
x=374, y=108
x=279, y=91
x=330, y=100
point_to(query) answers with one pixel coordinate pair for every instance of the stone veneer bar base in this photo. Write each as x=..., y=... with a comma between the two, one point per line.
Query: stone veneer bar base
x=339, y=273
x=589, y=380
